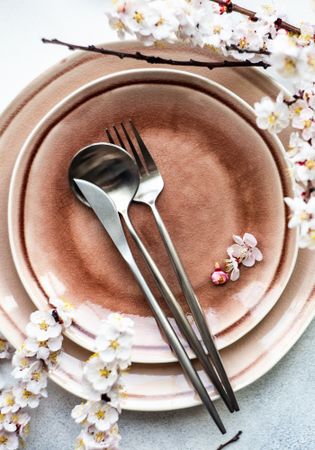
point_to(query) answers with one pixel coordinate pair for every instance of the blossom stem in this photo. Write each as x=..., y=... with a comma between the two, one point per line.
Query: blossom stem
x=232, y=7
x=234, y=439
x=157, y=59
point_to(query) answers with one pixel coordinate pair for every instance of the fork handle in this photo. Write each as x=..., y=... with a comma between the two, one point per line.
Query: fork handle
x=193, y=304
x=177, y=346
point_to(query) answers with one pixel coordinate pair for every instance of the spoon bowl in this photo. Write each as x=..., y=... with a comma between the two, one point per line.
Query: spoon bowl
x=109, y=167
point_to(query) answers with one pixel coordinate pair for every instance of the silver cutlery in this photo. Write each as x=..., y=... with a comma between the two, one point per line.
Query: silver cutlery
x=115, y=172
x=150, y=186
x=105, y=209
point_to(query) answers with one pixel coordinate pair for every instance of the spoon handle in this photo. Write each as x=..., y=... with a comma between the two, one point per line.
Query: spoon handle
x=194, y=304
x=107, y=213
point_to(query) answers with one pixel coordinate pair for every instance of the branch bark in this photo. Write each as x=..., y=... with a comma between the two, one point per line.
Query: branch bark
x=229, y=7
x=157, y=59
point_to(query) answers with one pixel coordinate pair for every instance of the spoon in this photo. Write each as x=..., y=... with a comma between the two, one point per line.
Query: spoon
x=112, y=169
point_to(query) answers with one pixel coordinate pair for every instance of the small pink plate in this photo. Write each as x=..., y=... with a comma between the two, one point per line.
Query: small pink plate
x=218, y=169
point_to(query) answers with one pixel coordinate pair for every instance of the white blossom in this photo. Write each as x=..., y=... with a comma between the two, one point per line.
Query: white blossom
x=102, y=376
x=80, y=412
x=232, y=266
x=112, y=345
x=8, y=402
x=304, y=162
x=272, y=116
x=302, y=213
x=43, y=326
x=24, y=397
x=8, y=441
x=4, y=348
x=245, y=250
x=42, y=349
x=63, y=309
x=102, y=415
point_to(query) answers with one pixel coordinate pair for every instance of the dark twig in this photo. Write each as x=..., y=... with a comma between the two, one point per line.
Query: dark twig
x=229, y=7
x=234, y=439
x=157, y=59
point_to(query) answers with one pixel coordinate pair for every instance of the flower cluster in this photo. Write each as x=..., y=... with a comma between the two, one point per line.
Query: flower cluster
x=102, y=371
x=244, y=252
x=39, y=353
x=208, y=24
x=298, y=111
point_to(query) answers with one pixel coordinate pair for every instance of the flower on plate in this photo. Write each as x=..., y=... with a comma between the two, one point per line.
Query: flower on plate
x=232, y=267
x=102, y=376
x=272, y=116
x=8, y=401
x=112, y=345
x=102, y=415
x=22, y=364
x=42, y=349
x=43, y=326
x=63, y=310
x=245, y=250
x=8, y=441
x=121, y=323
x=24, y=397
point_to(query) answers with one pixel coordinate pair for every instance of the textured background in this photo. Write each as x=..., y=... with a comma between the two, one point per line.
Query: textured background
x=277, y=412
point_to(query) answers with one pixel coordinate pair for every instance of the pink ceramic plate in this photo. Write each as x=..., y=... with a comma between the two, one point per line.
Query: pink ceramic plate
x=197, y=130
x=160, y=386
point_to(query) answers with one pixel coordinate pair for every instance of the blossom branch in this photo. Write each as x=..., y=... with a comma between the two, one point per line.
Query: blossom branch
x=229, y=7
x=157, y=59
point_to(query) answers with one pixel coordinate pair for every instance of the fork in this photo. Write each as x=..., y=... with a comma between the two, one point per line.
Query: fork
x=150, y=187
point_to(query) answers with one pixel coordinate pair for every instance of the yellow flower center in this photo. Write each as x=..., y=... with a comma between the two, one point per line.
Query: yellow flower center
x=217, y=29
x=9, y=400
x=36, y=376
x=80, y=444
x=160, y=22
x=42, y=344
x=312, y=235
x=138, y=17
x=311, y=61
x=100, y=414
x=297, y=110
x=2, y=345
x=24, y=362
x=114, y=344
x=272, y=119
x=27, y=394
x=53, y=357
x=3, y=439
x=104, y=372
x=242, y=43
x=304, y=216
x=2, y=417
x=307, y=123
x=310, y=164
x=289, y=65
x=43, y=325
x=99, y=437
x=14, y=418
x=119, y=25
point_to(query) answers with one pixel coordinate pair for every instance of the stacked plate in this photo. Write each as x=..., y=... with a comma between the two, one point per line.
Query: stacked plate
x=223, y=176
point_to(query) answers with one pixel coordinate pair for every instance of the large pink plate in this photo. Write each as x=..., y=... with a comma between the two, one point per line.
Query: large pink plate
x=150, y=387
x=218, y=168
